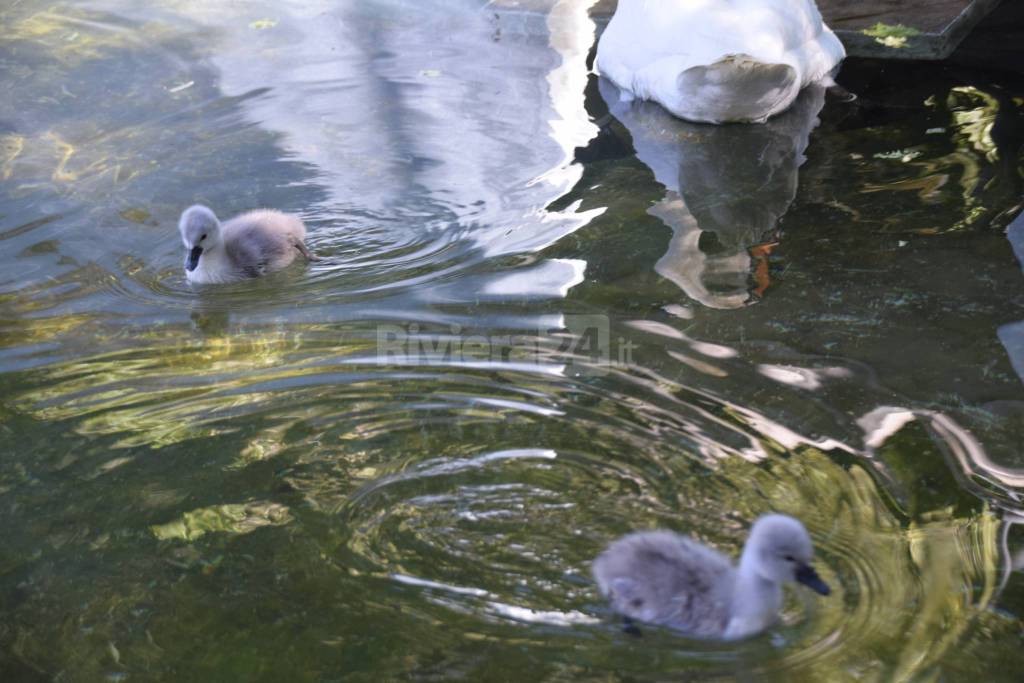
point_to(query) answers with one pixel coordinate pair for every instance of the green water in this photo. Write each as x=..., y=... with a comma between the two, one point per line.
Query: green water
x=544, y=318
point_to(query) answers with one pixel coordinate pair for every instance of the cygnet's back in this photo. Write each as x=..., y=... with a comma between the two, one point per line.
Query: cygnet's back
x=660, y=577
x=263, y=241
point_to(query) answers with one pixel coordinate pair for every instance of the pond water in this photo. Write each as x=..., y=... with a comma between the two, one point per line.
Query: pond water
x=544, y=318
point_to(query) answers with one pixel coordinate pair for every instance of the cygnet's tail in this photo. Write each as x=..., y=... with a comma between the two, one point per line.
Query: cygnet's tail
x=736, y=88
x=304, y=250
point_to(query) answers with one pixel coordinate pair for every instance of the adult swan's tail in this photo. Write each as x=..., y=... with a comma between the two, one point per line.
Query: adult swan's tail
x=735, y=88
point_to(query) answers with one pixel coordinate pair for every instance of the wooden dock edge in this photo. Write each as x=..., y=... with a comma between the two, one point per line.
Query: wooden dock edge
x=926, y=46
x=914, y=45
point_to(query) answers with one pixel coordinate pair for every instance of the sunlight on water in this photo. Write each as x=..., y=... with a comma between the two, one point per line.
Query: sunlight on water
x=545, y=317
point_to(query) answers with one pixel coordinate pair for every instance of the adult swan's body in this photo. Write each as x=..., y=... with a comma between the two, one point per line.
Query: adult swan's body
x=718, y=61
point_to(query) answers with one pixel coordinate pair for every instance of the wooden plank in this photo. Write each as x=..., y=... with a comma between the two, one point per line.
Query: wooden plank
x=886, y=29
x=936, y=27
x=928, y=16
x=997, y=42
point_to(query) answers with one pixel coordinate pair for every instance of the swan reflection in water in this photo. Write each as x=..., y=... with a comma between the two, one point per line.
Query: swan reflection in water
x=727, y=187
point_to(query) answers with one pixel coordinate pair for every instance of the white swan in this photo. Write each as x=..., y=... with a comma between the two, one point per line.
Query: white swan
x=663, y=578
x=248, y=245
x=717, y=61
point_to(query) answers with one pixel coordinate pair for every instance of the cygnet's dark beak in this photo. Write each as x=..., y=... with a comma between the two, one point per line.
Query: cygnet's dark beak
x=192, y=260
x=806, y=575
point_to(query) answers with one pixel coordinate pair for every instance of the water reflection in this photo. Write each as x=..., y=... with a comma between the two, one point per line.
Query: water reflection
x=437, y=163
x=470, y=151
x=1012, y=334
x=727, y=187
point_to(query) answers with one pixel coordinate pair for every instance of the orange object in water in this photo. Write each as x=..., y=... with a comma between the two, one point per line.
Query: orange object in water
x=760, y=253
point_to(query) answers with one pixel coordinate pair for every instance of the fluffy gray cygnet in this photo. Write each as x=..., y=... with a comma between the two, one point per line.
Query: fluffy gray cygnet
x=660, y=577
x=246, y=246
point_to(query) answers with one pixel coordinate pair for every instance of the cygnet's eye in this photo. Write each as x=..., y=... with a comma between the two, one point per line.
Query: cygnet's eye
x=789, y=558
x=203, y=237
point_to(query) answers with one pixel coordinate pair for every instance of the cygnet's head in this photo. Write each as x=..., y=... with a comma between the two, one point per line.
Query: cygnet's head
x=780, y=549
x=200, y=230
